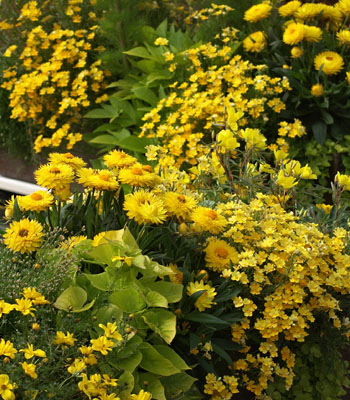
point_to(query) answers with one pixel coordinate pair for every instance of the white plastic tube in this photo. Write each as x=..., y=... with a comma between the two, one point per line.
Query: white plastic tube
x=17, y=187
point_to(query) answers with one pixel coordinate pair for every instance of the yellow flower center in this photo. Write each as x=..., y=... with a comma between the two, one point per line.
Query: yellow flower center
x=136, y=171
x=221, y=252
x=181, y=198
x=147, y=168
x=329, y=58
x=36, y=196
x=23, y=233
x=69, y=155
x=104, y=177
x=211, y=214
x=55, y=170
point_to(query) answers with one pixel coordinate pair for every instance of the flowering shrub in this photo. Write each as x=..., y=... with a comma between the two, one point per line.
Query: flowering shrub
x=51, y=72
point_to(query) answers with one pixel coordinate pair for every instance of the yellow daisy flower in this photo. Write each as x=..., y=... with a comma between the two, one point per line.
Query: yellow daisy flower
x=29, y=369
x=64, y=338
x=141, y=396
x=288, y=9
x=7, y=349
x=144, y=207
x=219, y=254
x=255, y=42
x=138, y=175
x=205, y=300
x=24, y=236
x=208, y=220
x=294, y=33
x=330, y=62
x=54, y=176
x=119, y=159
x=179, y=205
x=37, y=201
x=312, y=33
x=99, y=179
x=343, y=37
x=68, y=159
x=258, y=12
x=6, y=388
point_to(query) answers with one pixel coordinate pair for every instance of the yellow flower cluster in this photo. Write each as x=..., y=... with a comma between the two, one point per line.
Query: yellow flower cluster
x=197, y=107
x=52, y=78
x=205, y=13
x=300, y=270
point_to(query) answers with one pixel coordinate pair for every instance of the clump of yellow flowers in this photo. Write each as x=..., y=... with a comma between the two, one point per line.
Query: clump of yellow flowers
x=52, y=76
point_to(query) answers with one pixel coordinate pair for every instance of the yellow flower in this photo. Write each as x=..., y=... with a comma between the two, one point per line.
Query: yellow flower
x=5, y=308
x=29, y=352
x=68, y=159
x=258, y=12
x=288, y=9
x=24, y=236
x=343, y=37
x=312, y=33
x=208, y=220
x=161, y=41
x=226, y=139
x=141, y=396
x=287, y=182
x=119, y=159
x=329, y=62
x=144, y=207
x=294, y=33
x=77, y=366
x=99, y=179
x=219, y=254
x=6, y=388
x=64, y=339
x=7, y=349
x=29, y=369
x=37, y=201
x=102, y=344
x=254, y=139
x=179, y=205
x=54, y=176
x=205, y=300
x=343, y=180
x=138, y=175
x=24, y=306
x=296, y=52
x=10, y=50
x=327, y=208
x=317, y=90
x=255, y=42
x=111, y=331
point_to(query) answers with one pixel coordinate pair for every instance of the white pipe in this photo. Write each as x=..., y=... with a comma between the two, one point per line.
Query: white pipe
x=18, y=187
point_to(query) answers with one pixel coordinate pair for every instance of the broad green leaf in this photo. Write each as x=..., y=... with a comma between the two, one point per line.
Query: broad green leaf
x=128, y=300
x=177, y=384
x=131, y=347
x=172, y=291
x=153, y=361
x=103, y=281
x=138, y=52
x=155, y=299
x=125, y=381
x=205, y=318
x=172, y=356
x=153, y=386
x=103, y=253
x=162, y=322
x=72, y=298
x=105, y=139
x=146, y=95
x=135, y=143
x=319, y=130
x=102, y=113
x=107, y=314
x=130, y=363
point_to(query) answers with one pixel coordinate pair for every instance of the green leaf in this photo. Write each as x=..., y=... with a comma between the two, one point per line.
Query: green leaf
x=73, y=298
x=319, y=130
x=172, y=356
x=105, y=139
x=153, y=385
x=131, y=347
x=135, y=143
x=162, y=322
x=205, y=318
x=327, y=117
x=146, y=95
x=128, y=300
x=177, y=384
x=125, y=381
x=138, y=52
x=171, y=291
x=130, y=363
x=107, y=314
x=155, y=299
x=110, y=113
x=153, y=361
